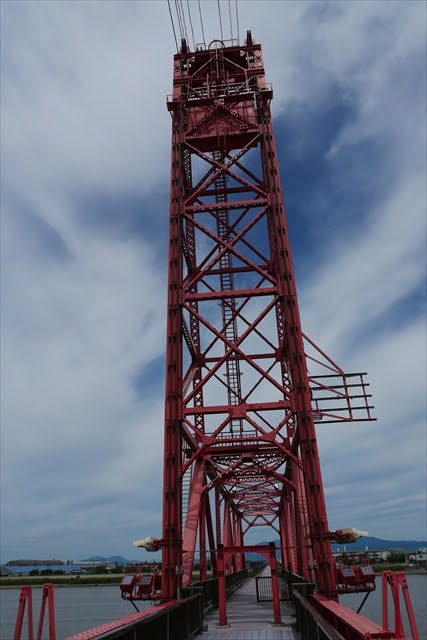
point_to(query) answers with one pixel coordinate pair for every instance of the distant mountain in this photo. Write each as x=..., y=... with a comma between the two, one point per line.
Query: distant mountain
x=373, y=544
x=118, y=559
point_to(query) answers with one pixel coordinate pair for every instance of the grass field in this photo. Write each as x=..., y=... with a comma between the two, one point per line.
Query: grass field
x=99, y=579
x=17, y=581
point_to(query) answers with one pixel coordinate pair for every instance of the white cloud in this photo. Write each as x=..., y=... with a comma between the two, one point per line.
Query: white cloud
x=83, y=113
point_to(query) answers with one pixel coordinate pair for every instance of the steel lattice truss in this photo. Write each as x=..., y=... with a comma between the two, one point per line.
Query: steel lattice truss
x=240, y=442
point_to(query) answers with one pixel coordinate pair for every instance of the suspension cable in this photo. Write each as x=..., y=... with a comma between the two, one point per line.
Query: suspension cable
x=231, y=22
x=184, y=22
x=178, y=15
x=237, y=21
x=220, y=21
x=173, y=27
x=191, y=25
x=201, y=23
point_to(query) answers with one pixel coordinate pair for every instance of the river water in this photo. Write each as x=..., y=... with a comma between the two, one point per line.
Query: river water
x=80, y=608
x=372, y=608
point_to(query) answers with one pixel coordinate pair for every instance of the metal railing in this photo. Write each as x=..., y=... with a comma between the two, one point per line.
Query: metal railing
x=310, y=623
x=264, y=589
x=182, y=620
x=209, y=588
x=297, y=583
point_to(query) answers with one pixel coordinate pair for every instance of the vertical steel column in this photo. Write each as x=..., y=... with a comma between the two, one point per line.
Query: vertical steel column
x=238, y=541
x=226, y=535
x=218, y=515
x=25, y=598
x=274, y=584
x=283, y=541
x=291, y=532
x=222, y=597
x=295, y=354
x=191, y=524
x=172, y=528
x=202, y=538
x=211, y=536
x=47, y=596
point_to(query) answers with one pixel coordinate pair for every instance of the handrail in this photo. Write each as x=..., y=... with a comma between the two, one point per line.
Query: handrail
x=178, y=620
x=26, y=597
x=396, y=580
x=209, y=588
x=310, y=622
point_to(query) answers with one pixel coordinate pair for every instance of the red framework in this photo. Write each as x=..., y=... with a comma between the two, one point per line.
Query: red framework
x=26, y=600
x=240, y=440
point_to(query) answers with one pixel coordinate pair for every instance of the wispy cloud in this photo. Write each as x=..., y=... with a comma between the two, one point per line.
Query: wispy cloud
x=85, y=175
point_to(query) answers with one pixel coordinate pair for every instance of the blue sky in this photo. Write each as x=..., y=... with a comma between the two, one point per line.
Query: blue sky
x=85, y=178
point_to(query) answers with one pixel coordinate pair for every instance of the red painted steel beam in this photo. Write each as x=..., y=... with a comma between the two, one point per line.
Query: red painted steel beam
x=100, y=630
x=238, y=293
x=25, y=600
x=351, y=624
x=172, y=525
x=242, y=408
x=192, y=521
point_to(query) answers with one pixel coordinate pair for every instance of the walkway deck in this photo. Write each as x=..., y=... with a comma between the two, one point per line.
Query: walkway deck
x=251, y=620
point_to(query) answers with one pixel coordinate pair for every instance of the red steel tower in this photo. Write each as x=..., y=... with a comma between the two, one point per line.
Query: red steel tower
x=241, y=403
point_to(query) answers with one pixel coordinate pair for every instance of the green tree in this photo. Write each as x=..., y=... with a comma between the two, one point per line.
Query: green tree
x=101, y=569
x=396, y=557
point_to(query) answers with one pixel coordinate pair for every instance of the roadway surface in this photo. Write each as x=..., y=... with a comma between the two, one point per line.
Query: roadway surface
x=251, y=620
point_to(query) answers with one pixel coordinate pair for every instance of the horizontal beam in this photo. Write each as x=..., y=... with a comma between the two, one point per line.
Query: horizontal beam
x=229, y=204
x=251, y=356
x=240, y=269
x=232, y=293
x=239, y=411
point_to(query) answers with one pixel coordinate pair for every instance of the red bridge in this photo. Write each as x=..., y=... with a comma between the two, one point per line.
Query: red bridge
x=244, y=388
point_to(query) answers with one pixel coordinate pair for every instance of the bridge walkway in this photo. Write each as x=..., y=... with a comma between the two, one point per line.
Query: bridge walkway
x=251, y=620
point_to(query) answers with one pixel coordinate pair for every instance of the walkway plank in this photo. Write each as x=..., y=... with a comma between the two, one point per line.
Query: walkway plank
x=251, y=620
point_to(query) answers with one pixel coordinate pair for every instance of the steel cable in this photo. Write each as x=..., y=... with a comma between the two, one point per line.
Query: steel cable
x=237, y=21
x=220, y=21
x=231, y=22
x=184, y=23
x=178, y=15
x=191, y=24
x=201, y=23
x=173, y=27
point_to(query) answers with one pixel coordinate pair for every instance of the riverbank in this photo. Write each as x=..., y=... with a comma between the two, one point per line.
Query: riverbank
x=96, y=580
x=379, y=568
x=62, y=581
x=80, y=609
